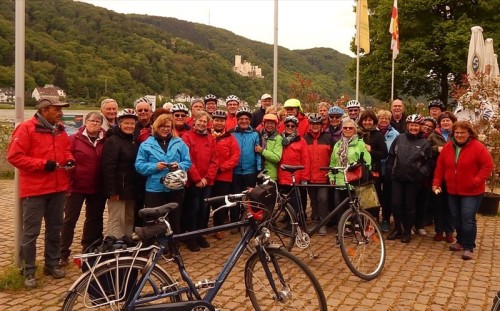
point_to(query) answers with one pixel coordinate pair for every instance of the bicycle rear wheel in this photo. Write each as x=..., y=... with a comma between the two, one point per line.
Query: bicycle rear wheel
x=112, y=283
x=496, y=302
x=297, y=286
x=361, y=244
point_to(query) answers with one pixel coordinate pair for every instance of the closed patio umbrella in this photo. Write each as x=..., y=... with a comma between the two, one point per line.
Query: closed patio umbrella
x=475, y=60
x=489, y=57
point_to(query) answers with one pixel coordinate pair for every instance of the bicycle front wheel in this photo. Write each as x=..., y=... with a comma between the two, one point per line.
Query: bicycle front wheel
x=361, y=244
x=297, y=287
x=113, y=282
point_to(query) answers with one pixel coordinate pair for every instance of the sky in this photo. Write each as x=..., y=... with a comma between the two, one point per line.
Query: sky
x=302, y=24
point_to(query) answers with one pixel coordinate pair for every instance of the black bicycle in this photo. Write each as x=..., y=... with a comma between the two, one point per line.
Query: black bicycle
x=133, y=279
x=358, y=233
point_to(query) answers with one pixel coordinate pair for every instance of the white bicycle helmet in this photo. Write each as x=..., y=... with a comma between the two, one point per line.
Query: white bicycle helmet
x=180, y=108
x=243, y=111
x=232, y=98
x=415, y=118
x=292, y=119
x=127, y=113
x=142, y=100
x=315, y=118
x=353, y=104
x=210, y=97
x=221, y=114
x=175, y=180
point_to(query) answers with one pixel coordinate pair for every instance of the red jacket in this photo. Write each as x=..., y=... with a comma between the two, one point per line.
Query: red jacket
x=31, y=146
x=319, y=147
x=294, y=154
x=467, y=175
x=302, y=129
x=203, y=157
x=228, y=155
x=87, y=176
x=231, y=122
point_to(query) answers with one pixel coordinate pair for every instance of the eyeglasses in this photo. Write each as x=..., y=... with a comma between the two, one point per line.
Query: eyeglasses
x=290, y=126
x=94, y=121
x=460, y=133
x=348, y=128
x=163, y=127
x=142, y=110
x=353, y=110
x=179, y=115
x=428, y=126
x=335, y=117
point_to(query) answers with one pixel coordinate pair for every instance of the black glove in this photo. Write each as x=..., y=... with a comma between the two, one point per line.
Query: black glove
x=50, y=166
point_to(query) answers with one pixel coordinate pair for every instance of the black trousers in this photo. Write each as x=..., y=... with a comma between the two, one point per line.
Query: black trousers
x=404, y=203
x=153, y=199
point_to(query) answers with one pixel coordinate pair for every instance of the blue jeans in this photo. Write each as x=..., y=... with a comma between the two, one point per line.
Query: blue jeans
x=463, y=212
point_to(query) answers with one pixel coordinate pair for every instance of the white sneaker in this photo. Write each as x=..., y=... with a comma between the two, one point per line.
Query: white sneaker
x=322, y=231
x=421, y=232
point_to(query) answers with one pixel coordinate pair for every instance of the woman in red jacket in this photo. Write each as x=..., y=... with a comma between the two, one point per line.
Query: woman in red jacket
x=464, y=164
x=201, y=177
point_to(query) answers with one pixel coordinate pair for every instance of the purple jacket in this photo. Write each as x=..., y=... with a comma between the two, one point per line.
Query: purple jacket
x=87, y=176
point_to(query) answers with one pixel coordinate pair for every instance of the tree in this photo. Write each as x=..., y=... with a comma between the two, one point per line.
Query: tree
x=434, y=41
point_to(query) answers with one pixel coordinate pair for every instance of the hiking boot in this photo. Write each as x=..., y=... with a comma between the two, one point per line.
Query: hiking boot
x=406, y=238
x=438, y=237
x=202, y=242
x=322, y=231
x=450, y=238
x=192, y=245
x=30, y=281
x=55, y=271
x=394, y=234
x=421, y=231
x=219, y=235
x=456, y=247
x=64, y=261
x=385, y=226
x=467, y=255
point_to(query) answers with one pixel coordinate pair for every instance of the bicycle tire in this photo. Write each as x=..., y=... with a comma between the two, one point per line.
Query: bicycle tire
x=364, y=257
x=496, y=302
x=88, y=293
x=280, y=225
x=300, y=289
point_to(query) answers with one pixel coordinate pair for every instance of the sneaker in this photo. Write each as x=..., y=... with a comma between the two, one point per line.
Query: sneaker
x=394, y=235
x=456, y=247
x=385, y=226
x=219, y=235
x=55, y=271
x=192, y=245
x=438, y=237
x=467, y=255
x=202, y=242
x=421, y=231
x=406, y=238
x=30, y=281
x=322, y=231
x=450, y=238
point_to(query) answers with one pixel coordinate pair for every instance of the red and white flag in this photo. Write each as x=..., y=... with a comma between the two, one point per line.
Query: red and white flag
x=394, y=30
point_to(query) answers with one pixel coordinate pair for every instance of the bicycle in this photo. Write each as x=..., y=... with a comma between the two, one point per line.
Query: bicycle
x=496, y=302
x=273, y=277
x=358, y=233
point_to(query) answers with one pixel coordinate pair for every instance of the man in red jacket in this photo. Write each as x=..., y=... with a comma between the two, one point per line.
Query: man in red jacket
x=40, y=149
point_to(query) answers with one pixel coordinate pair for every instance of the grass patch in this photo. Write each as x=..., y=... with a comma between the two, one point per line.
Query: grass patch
x=11, y=279
x=7, y=175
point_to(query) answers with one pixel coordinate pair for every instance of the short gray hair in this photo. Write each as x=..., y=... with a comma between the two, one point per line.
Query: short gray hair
x=96, y=114
x=108, y=100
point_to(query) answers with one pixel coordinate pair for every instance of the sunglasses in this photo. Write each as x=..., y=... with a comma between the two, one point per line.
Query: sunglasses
x=348, y=128
x=335, y=117
x=290, y=126
x=179, y=115
x=142, y=110
x=353, y=110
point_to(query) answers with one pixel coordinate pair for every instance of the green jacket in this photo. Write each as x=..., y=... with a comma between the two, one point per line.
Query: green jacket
x=356, y=146
x=272, y=155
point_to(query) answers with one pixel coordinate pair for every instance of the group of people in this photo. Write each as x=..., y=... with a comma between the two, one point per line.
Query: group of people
x=136, y=158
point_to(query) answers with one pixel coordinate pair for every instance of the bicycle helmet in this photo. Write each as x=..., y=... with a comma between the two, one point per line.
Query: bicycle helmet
x=436, y=103
x=232, y=98
x=293, y=103
x=335, y=110
x=270, y=117
x=415, y=118
x=175, y=180
x=353, y=104
x=180, y=108
x=315, y=118
x=221, y=114
x=292, y=119
x=210, y=97
x=127, y=113
x=243, y=111
x=142, y=100
x=430, y=119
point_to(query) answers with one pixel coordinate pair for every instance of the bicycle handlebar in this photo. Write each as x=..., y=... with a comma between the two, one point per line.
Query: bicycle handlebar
x=228, y=199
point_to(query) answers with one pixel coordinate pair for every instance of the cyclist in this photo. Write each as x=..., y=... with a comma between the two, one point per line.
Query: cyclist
x=323, y=111
x=436, y=108
x=319, y=147
x=228, y=154
x=201, y=177
x=210, y=101
x=408, y=164
x=353, y=110
x=196, y=105
x=232, y=105
x=294, y=108
x=294, y=153
x=272, y=146
x=335, y=115
x=266, y=100
x=180, y=113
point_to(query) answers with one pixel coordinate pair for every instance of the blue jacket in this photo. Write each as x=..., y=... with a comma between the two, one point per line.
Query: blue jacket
x=250, y=162
x=390, y=135
x=150, y=153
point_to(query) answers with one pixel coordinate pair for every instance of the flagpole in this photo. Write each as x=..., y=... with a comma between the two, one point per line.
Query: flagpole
x=358, y=42
x=392, y=81
x=275, y=59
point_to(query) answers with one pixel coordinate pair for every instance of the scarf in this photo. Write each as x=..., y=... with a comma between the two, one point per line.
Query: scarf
x=43, y=123
x=445, y=133
x=290, y=138
x=216, y=134
x=384, y=129
x=265, y=136
x=344, y=146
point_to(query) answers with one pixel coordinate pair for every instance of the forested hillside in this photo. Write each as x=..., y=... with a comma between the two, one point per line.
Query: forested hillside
x=92, y=52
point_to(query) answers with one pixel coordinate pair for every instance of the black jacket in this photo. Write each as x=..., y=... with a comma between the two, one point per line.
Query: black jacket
x=376, y=140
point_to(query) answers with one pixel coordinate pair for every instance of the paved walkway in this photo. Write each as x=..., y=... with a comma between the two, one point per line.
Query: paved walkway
x=422, y=275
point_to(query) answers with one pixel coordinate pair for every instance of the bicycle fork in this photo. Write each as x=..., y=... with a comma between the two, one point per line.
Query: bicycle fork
x=265, y=258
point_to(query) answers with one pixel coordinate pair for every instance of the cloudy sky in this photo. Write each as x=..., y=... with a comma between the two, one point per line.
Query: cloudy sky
x=301, y=24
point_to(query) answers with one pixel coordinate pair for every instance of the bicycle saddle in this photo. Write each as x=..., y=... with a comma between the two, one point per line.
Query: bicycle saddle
x=155, y=212
x=291, y=168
